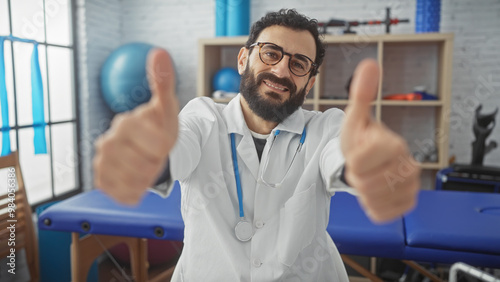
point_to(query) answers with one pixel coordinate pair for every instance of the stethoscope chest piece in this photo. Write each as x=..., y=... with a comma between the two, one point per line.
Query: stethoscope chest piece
x=243, y=230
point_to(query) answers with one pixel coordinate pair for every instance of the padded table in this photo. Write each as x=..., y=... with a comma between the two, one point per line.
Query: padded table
x=445, y=227
x=97, y=215
x=453, y=226
x=353, y=232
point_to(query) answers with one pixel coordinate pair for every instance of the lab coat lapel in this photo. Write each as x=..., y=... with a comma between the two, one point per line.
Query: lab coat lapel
x=245, y=146
x=295, y=123
x=248, y=153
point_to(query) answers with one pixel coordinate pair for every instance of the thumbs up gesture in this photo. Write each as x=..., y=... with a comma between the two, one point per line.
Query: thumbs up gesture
x=378, y=162
x=132, y=153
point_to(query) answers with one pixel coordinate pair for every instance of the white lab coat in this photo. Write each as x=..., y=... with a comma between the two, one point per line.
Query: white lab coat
x=290, y=242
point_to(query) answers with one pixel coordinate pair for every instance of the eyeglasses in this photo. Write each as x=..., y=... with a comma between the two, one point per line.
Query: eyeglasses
x=271, y=54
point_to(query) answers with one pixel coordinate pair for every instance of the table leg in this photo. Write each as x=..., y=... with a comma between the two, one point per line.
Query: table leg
x=139, y=259
x=423, y=271
x=363, y=271
x=86, y=249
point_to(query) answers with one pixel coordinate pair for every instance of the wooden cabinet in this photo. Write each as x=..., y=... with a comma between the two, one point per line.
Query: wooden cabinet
x=407, y=61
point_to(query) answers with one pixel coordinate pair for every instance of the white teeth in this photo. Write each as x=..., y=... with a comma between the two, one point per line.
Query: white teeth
x=275, y=87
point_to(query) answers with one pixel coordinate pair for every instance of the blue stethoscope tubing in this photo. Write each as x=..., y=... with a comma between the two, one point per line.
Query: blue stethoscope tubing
x=237, y=175
x=236, y=169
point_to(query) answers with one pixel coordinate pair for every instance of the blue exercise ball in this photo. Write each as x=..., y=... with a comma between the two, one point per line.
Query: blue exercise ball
x=124, y=83
x=227, y=79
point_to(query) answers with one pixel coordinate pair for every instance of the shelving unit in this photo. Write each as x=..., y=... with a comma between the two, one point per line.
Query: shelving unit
x=406, y=61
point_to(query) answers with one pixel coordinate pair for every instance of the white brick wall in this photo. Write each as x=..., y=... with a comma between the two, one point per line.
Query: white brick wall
x=99, y=32
x=176, y=25
x=476, y=70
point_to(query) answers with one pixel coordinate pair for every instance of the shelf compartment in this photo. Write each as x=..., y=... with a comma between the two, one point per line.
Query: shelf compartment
x=325, y=107
x=338, y=102
x=339, y=64
x=419, y=127
x=407, y=65
x=412, y=103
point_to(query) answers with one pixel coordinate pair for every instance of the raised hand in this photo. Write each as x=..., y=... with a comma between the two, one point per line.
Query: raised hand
x=132, y=153
x=378, y=162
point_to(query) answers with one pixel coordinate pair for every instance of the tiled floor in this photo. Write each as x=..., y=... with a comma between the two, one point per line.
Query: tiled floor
x=163, y=256
x=21, y=272
x=109, y=272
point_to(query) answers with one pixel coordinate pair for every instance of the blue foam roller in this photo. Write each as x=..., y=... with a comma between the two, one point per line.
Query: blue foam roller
x=238, y=17
x=220, y=17
x=428, y=15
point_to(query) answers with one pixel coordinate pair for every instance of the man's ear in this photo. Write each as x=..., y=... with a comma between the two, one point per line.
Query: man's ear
x=310, y=84
x=242, y=60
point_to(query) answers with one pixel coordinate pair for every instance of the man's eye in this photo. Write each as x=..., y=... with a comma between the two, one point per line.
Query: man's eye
x=272, y=55
x=298, y=65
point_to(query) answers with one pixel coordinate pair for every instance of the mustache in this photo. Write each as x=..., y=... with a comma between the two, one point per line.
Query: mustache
x=273, y=78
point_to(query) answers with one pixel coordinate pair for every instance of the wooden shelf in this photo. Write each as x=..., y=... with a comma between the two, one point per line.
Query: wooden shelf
x=412, y=103
x=334, y=102
x=386, y=38
x=338, y=102
x=224, y=41
x=435, y=166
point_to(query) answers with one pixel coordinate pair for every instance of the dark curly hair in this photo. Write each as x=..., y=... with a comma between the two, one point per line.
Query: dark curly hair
x=292, y=19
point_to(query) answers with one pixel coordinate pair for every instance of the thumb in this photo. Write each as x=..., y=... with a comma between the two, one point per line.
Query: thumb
x=363, y=90
x=161, y=78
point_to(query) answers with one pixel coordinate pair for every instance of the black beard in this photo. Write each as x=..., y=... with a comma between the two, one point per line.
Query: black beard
x=264, y=108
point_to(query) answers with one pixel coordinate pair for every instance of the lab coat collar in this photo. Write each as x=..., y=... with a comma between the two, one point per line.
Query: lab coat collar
x=236, y=122
x=233, y=115
x=295, y=123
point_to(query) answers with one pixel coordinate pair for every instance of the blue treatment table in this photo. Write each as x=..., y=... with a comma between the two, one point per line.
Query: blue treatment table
x=108, y=223
x=445, y=227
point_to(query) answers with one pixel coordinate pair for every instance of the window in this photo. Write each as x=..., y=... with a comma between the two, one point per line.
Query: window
x=49, y=23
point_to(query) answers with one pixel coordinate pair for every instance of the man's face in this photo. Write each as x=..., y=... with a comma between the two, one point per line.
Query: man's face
x=273, y=92
x=268, y=105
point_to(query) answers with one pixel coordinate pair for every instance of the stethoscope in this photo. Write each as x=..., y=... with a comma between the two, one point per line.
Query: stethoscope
x=243, y=228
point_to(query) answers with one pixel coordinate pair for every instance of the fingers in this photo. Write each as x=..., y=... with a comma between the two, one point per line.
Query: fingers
x=141, y=132
x=364, y=88
x=121, y=171
x=161, y=78
x=382, y=146
x=384, y=174
x=390, y=204
x=387, y=186
x=378, y=165
x=131, y=154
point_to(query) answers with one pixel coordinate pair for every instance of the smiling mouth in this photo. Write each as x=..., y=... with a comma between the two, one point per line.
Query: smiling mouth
x=275, y=86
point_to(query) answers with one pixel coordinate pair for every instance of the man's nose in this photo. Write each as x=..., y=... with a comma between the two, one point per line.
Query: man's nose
x=281, y=69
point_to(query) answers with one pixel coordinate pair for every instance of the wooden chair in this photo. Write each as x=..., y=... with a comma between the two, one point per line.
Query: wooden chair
x=24, y=235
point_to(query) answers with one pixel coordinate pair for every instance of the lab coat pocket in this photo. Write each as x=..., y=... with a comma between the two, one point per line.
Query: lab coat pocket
x=297, y=225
